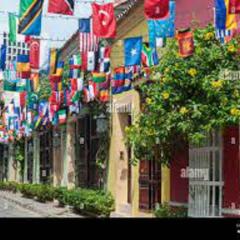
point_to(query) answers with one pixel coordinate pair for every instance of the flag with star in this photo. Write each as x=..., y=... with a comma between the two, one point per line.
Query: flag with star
x=133, y=51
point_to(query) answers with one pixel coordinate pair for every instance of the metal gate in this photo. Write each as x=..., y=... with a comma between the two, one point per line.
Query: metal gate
x=205, y=177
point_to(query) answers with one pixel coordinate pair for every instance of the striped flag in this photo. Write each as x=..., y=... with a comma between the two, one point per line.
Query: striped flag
x=88, y=41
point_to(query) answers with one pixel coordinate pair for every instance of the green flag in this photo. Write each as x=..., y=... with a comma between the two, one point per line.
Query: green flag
x=12, y=19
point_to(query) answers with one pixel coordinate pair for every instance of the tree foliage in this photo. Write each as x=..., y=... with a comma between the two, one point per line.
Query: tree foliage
x=188, y=97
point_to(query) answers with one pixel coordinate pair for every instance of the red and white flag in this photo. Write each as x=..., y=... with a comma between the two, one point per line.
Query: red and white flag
x=87, y=40
x=104, y=21
x=34, y=53
x=65, y=7
x=156, y=9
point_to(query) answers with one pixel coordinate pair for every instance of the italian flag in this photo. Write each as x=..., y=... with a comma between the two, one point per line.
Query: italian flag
x=62, y=116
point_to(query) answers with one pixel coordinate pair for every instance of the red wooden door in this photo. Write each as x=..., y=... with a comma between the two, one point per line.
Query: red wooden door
x=149, y=184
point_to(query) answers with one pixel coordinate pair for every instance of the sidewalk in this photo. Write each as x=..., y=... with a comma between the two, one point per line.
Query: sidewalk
x=46, y=210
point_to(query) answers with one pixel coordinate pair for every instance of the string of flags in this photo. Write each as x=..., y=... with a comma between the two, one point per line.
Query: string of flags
x=89, y=75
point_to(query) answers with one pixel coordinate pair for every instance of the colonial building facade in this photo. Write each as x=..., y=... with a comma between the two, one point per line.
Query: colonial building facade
x=66, y=156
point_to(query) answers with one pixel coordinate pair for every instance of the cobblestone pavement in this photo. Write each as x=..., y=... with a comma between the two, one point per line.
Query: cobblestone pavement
x=14, y=205
x=11, y=210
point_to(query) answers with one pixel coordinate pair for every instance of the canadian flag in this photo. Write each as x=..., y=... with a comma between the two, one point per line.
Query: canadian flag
x=156, y=9
x=104, y=21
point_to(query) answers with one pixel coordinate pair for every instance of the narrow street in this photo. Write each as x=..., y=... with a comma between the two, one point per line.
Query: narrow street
x=11, y=210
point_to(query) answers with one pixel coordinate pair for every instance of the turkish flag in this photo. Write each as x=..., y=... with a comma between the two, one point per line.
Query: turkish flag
x=156, y=9
x=104, y=21
x=34, y=53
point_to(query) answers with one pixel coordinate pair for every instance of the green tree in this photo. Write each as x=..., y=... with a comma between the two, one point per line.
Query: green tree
x=188, y=96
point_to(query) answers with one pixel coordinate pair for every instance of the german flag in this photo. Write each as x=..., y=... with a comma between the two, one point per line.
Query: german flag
x=30, y=20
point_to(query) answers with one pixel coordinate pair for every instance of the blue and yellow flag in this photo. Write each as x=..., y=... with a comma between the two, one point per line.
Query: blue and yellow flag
x=224, y=20
x=30, y=17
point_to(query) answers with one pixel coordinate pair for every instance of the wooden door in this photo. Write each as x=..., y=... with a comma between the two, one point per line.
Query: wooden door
x=87, y=142
x=46, y=156
x=81, y=152
x=149, y=184
x=93, y=176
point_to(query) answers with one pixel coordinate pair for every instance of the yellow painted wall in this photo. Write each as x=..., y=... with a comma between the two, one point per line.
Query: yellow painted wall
x=118, y=168
x=133, y=25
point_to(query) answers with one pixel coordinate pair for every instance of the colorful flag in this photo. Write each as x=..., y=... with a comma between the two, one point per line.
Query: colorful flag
x=9, y=85
x=223, y=35
x=104, y=22
x=62, y=116
x=224, y=20
x=88, y=61
x=24, y=85
x=93, y=90
x=163, y=28
x=3, y=55
x=156, y=9
x=131, y=74
x=65, y=7
x=133, y=50
x=57, y=76
x=104, y=95
x=185, y=42
x=12, y=23
x=98, y=77
x=34, y=53
x=23, y=66
x=234, y=6
x=104, y=59
x=30, y=19
x=75, y=63
x=149, y=56
x=53, y=57
x=88, y=41
x=118, y=80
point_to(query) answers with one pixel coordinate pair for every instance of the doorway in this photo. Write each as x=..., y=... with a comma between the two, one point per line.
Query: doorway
x=46, y=156
x=87, y=143
x=149, y=184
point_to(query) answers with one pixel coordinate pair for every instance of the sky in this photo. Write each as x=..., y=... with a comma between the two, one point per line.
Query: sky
x=56, y=27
